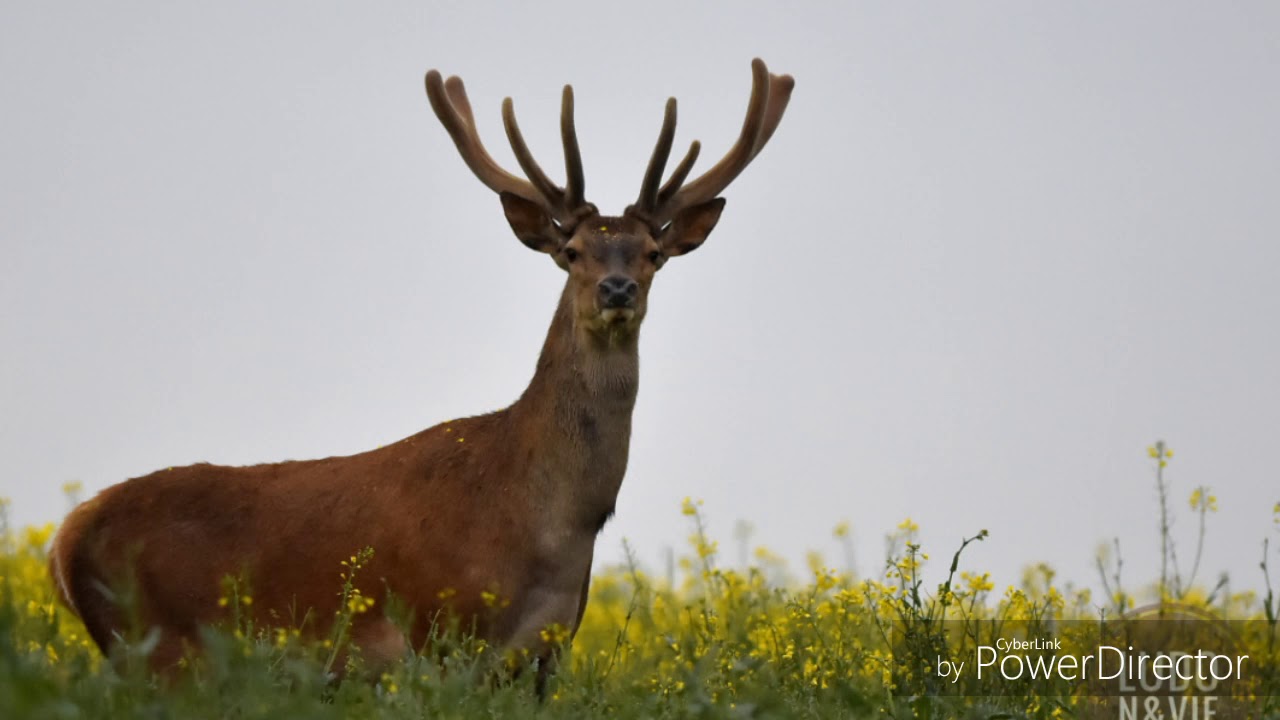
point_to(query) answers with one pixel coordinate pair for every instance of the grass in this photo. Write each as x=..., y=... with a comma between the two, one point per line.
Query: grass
x=713, y=641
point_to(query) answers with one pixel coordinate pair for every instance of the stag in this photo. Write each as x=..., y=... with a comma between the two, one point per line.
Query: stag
x=505, y=505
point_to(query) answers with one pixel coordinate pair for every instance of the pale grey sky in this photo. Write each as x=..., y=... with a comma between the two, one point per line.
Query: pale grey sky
x=993, y=251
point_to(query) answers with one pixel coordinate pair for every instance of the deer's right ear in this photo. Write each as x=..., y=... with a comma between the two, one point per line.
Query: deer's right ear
x=532, y=224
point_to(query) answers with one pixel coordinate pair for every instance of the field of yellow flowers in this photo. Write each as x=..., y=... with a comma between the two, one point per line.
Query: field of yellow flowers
x=710, y=642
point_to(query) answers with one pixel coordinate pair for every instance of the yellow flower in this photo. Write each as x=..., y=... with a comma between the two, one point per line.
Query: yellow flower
x=764, y=555
x=815, y=561
x=554, y=634
x=358, y=603
x=841, y=530
x=36, y=537
x=908, y=525
x=1203, y=501
x=705, y=549
x=978, y=583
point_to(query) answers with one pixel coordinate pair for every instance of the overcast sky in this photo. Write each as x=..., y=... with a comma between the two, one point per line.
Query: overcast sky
x=993, y=251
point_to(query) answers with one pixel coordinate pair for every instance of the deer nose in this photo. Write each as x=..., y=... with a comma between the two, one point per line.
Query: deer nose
x=617, y=291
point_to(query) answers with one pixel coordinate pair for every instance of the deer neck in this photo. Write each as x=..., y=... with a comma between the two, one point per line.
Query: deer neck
x=576, y=417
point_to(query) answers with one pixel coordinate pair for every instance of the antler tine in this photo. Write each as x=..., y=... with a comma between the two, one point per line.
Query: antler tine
x=769, y=96
x=680, y=173
x=567, y=205
x=449, y=101
x=710, y=183
x=575, y=180
x=780, y=87
x=553, y=193
x=457, y=94
x=648, y=199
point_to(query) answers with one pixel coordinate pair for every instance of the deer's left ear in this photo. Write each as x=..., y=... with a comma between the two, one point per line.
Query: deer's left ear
x=690, y=228
x=531, y=224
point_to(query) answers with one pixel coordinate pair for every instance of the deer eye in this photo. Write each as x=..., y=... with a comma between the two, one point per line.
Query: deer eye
x=654, y=257
x=570, y=254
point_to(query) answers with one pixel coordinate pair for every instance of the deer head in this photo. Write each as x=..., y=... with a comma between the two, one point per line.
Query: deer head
x=610, y=260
